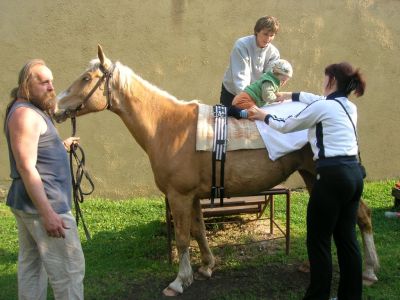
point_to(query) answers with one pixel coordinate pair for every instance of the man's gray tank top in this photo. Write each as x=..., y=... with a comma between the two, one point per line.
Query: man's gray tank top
x=52, y=164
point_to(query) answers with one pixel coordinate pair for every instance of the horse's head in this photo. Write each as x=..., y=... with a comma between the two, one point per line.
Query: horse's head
x=91, y=92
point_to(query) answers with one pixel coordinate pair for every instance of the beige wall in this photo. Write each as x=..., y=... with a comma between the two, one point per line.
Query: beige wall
x=183, y=47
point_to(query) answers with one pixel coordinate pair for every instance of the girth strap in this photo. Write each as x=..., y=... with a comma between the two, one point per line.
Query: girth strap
x=219, y=151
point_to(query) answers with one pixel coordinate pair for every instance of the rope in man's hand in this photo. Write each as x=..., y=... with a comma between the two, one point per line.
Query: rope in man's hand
x=77, y=154
x=69, y=141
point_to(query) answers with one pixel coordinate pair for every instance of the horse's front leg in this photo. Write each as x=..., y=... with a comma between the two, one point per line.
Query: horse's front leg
x=181, y=212
x=198, y=231
x=371, y=263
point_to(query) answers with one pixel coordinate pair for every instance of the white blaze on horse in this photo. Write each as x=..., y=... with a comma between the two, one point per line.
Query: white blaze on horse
x=166, y=130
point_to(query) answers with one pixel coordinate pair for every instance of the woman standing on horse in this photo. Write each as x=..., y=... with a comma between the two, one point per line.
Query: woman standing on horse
x=334, y=200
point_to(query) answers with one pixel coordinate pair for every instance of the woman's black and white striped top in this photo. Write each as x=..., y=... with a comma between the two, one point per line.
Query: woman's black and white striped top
x=330, y=134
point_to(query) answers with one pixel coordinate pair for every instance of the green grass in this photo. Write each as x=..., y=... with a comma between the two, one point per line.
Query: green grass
x=128, y=249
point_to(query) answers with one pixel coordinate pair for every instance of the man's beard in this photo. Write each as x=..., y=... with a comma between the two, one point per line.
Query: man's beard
x=46, y=103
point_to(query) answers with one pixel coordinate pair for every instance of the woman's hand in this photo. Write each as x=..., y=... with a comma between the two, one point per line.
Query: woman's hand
x=282, y=96
x=255, y=113
x=70, y=141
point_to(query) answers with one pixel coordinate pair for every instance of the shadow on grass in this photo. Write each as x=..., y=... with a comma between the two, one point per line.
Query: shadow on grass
x=7, y=258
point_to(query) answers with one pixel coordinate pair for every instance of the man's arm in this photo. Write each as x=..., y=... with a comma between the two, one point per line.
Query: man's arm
x=25, y=127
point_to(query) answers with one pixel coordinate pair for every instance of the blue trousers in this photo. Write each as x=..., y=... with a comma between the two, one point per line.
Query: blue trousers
x=332, y=212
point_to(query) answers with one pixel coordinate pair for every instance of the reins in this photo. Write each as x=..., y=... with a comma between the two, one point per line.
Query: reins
x=76, y=153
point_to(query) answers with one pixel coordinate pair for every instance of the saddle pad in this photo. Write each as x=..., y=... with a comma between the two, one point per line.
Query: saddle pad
x=242, y=134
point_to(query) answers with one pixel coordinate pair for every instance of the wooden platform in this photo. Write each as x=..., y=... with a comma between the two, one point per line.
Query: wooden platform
x=252, y=204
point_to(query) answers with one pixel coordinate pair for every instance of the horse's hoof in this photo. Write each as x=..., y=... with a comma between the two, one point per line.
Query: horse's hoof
x=203, y=273
x=368, y=281
x=168, y=292
x=201, y=276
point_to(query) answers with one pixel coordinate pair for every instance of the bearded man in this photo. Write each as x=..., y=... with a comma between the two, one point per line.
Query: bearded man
x=40, y=193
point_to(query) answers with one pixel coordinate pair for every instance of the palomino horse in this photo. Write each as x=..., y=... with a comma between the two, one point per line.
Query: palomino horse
x=166, y=129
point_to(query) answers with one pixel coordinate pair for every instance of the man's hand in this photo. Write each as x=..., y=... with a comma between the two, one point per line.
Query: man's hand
x=54, y=225
x=70, y=141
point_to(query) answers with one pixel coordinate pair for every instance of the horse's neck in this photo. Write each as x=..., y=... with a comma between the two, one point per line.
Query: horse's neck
x=149, y=114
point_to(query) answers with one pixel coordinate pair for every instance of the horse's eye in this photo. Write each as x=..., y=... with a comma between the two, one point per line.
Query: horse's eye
x=86, y=78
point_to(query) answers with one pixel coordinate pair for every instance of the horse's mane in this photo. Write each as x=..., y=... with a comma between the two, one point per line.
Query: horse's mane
x=125, y=78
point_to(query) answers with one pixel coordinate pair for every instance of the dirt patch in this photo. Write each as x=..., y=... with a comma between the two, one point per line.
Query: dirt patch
x=246, y=237
x=262, y=282
x=269, y=281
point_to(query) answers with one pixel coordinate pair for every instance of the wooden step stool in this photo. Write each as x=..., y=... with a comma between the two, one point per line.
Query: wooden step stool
x=252, y=204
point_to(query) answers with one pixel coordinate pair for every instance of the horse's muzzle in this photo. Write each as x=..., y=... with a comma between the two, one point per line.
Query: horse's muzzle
x=60, y=115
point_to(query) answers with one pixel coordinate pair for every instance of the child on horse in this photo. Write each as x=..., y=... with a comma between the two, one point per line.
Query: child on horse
x=262, y=91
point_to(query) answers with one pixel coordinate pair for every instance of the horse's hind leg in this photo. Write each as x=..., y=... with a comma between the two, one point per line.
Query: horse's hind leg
x=371, y=263
x=198, y=231
x=181, y=207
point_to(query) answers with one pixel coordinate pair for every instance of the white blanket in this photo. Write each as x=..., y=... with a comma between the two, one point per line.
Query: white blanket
x=279, y=144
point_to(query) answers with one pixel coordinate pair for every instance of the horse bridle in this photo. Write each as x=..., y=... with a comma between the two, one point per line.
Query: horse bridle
x=107, y=75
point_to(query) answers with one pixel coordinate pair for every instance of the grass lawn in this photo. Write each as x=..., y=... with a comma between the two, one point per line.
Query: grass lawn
x=127, y=257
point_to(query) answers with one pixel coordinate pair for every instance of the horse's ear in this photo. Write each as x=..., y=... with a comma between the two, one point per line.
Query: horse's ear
x=101, y=55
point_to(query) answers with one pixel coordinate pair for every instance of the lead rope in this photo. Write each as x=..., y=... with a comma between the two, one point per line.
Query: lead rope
x=81, y=172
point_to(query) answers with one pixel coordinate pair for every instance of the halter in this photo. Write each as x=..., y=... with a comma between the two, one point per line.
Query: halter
x=107, y=75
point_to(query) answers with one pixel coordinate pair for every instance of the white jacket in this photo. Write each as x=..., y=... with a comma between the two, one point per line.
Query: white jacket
x=330, y=130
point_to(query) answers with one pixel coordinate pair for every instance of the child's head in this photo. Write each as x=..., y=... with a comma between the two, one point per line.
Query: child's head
x=283, y=70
